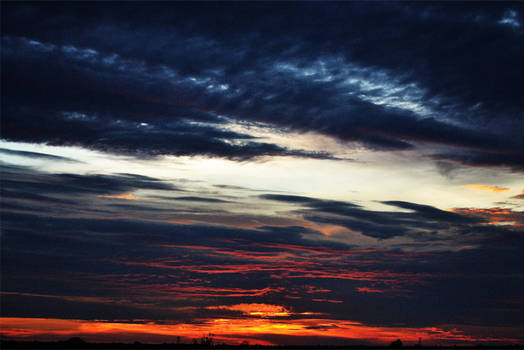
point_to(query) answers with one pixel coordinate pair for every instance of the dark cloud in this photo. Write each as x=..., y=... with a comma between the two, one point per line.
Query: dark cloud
x=288, y=198
x=14, y=194
x=519, y=196
x=421, y=221
x=512, y=158
x=199, y=199
x=155, y=267
x=37, y=184
x=136, y=260
x=35, y=155
x=429, y=212
x=387, y=81
x=171, y=78
x=84, y=108
x=446, y=168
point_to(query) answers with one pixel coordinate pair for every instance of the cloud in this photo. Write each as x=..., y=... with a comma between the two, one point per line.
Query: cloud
x=519, y=196
x=72, y=184
x=422, y=220
x=494, y=189
x=127, y=196
x=199, y=199
x=159, y=270
x=262, y=331
x=494, y=215
x=256, y=309
x=369, y=290
x=288, y=198
x=16, y=194
x=160, y=260
x=117, y=123
x=510, y=19
x=414, y=77
x=511, y=159
x=171, y=86
x=37, y=155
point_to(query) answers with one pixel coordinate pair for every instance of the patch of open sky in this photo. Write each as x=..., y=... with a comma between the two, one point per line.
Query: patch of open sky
x=298, y=176
x=89, y=161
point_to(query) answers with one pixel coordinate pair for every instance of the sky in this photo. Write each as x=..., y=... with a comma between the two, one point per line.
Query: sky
x=332, y=173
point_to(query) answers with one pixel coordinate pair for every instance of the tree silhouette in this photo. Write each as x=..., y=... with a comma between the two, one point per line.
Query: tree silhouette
x=396, y=344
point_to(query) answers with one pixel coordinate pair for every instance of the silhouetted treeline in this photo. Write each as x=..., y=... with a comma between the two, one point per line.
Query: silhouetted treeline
x=77, y=343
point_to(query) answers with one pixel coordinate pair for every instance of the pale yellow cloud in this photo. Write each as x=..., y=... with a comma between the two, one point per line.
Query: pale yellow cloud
x=495, y=189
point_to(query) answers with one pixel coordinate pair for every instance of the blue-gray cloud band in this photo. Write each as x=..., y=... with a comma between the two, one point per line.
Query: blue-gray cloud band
x=392, y=77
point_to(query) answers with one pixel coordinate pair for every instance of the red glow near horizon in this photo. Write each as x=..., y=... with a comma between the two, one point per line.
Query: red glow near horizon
x=235, y=330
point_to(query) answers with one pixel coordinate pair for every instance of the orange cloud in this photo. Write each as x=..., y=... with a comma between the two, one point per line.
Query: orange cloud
x=327, y=230
x=285, y=269
x=283, y=253
x=255, y=309
x=495, y=189
x=494, y=215
x=255, y=330
x=262, y=310
x=329, y=301
x=127, y=196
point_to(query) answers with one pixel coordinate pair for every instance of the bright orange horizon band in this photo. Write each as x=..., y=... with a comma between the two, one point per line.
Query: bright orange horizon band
x=231, y=331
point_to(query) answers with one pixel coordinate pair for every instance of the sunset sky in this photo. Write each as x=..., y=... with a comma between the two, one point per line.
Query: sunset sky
x=332, y=173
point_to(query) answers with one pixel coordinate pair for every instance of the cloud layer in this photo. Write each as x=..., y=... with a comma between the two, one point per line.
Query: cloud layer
x=146, y=256
x=195, y=247
x=118, y=83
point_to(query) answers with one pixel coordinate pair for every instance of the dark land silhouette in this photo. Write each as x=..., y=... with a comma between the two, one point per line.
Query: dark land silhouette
x=205, y=343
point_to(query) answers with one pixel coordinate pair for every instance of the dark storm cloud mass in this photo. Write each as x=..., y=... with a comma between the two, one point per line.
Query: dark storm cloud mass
x=394, y=76
x=144, y=259
x=75, y=101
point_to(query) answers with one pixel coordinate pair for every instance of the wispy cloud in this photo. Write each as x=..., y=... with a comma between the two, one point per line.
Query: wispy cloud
x=479, y=187
x=128, y=196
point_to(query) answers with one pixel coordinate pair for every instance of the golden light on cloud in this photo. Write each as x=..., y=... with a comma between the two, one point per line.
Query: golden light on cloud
x=495, y=189
x=255, y=309
x=127, y=196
